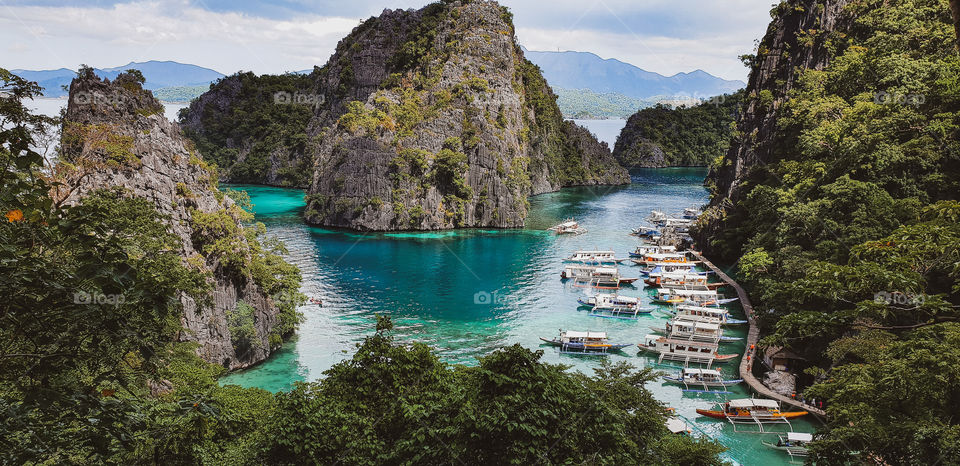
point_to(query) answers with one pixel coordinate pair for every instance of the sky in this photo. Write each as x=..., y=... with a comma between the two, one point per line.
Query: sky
x=664, y=36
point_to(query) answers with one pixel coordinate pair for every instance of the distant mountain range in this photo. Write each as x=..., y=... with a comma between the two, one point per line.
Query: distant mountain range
x=584, y=70
x=588, y=86
x=159, y=75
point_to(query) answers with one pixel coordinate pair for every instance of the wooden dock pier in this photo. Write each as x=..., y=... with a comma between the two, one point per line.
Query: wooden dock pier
x=753, y=335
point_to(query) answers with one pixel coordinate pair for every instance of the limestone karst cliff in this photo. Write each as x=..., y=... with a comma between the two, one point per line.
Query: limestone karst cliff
x=422, y=119
x=115, y=135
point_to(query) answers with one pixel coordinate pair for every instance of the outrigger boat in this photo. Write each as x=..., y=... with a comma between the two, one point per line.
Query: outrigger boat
x=701, y=378
x=621, y=307
x=657, y=216
x=685, y=351
x=597, y=277
x=682, y=329
x=568, y=226
x=794, y=443
x=684, y=280
x=594, y=258
x=664, y=258
x=645, y=249
x=690, y=296
x=691, y=213
x=757, y=411
x=715, y=315
x=645, y=232
x=584, y=342
x=661, y=268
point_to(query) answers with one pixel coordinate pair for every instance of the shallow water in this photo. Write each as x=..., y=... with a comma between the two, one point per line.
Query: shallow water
x=468, y=292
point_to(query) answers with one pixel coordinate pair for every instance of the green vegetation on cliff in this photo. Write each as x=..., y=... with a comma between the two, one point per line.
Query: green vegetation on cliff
x=661, y=136
x=850, y=229
x=587, y=104
x=252, y=129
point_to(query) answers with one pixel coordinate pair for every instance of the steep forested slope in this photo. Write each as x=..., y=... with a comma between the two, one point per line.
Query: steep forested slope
x=840, y=192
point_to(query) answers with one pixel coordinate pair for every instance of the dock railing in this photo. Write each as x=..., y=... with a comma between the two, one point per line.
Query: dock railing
x=753, y=335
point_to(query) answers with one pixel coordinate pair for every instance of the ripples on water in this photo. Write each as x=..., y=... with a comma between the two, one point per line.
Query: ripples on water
x=468, y=292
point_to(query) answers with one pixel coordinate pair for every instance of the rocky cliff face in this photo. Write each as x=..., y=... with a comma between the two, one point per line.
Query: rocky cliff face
x=422, y=120
x=797, y=38
x=438, y=121
x=115, y=134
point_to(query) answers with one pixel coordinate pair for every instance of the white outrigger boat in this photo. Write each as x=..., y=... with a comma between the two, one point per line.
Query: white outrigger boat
x=685, y=280
x=655, y=258
x=661, y=268
x=594, y=276
x=690, y=296
x=682, y=329
x=568, y=226
x=645, y=249
x=691, y=213
x=751, y=411
x=622, y=307
x=657, y=216
x=793, y=443
x=716, y=315
x=685, y=351
x=584, y=342
x=705, y=378
x=594, y=258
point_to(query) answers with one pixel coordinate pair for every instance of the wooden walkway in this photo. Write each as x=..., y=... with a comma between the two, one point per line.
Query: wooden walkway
x=753, y=335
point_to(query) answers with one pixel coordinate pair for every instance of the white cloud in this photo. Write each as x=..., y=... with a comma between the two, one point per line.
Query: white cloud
x=53, y=37
x=665, y=36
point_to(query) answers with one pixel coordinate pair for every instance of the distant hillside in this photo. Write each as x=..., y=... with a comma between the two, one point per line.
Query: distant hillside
x=583, y=70
x=159, y=74
x=686, y=136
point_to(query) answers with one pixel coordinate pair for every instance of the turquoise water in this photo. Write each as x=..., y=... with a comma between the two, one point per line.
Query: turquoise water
x=468, y=292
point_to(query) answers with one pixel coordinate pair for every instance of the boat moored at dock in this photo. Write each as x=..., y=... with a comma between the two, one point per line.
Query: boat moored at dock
x=682, y=329
x=685, y=351
x=752, y=411
x=596, y=276
x=716, y=315
x=584, y=342
x=596, y=257
x=793, y=443
x=705, y=378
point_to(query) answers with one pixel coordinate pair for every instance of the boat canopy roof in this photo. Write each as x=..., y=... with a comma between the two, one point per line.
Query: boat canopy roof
x=676, y=426
x=706, y=310
x=799, y=436
x=689, y=370
x=693, y=292
x=610, y=270
x=580, y=253
x=754, y=402
x=576, y=334
x=707, y=326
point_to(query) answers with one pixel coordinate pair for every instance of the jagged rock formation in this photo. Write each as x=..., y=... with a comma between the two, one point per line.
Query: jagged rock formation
x=796, y=39
x=114, y=135
x=427, y=119
x=661, y=136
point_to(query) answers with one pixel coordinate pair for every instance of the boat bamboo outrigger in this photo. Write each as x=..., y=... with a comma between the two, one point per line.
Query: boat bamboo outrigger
x=661, y=268
x=584, y=342
x=705, y=378
x=684, y=280
x=596, y=257
x=752, y=411
x=568, y=226
x=793, y=443
x=685, y=351
x=682, y=329
x=715, y=315
x=645, y=249
x=597, y=277
x=612, y=305
x=690, y=296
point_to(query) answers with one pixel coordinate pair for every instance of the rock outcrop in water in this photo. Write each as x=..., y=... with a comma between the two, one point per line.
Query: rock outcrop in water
x=115, y=135
x=661, y=136
x=428, y=119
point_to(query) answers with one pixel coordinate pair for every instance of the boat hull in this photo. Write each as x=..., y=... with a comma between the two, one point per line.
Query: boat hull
x=585, y=347
x=717, y=414
x=722, y=383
